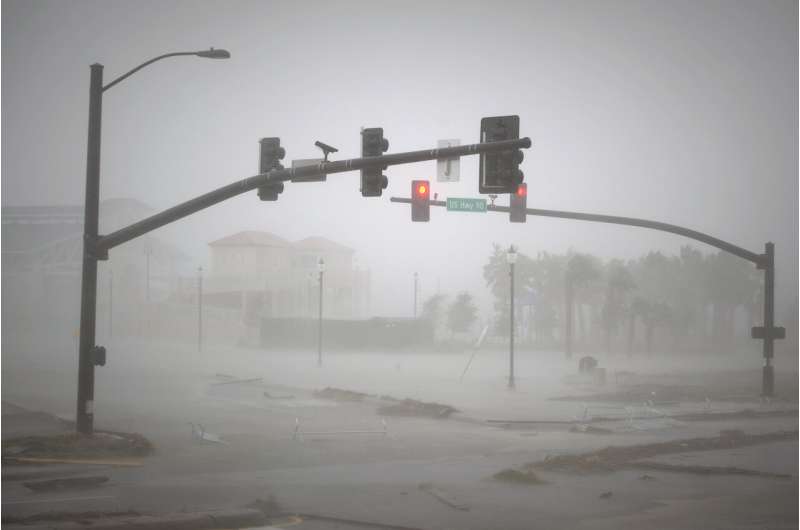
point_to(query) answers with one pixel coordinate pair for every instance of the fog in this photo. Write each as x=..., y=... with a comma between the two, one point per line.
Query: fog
x=680, y=112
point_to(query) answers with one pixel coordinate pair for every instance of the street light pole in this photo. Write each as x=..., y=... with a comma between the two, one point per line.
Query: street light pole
x=147, y=252
x=321, y=267
x=92, y=252
x=110, y=303
x=85, y=407
x=199, y=309
x=512, y=259
x=415, y=294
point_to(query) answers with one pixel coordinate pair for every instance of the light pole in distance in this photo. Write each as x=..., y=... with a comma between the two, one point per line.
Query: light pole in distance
x=511, y=256
x=321, y=268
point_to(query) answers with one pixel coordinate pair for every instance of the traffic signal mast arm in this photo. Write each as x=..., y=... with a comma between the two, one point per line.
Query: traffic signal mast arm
x=107, y=242
x=757, y=259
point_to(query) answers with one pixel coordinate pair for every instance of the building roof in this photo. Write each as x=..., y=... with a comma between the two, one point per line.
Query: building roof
x=43, y=228
x=321, y=243
x=250, y=238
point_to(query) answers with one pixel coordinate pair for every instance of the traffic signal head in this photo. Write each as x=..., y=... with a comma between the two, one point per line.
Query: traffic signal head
x=518, y=204
x=499, y=171
x=270, y=155
x=373, y=181
x=420, y=201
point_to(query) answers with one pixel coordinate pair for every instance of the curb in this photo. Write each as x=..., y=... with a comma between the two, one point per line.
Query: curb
x=229, y=519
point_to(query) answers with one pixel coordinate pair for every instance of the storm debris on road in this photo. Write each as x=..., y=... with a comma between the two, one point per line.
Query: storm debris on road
x=706, y=470
x=589, y=429
x=518, y=476
x=615, y=458
x=239, y=381
x=412, y=407
x=66, y=517
x=443, y=497
x=338, y=394
x=275, y=396
x=199, y=433
x=99, y=444
x=65, y=483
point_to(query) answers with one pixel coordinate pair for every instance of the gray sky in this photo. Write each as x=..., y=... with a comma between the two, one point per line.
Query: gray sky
x=683, y=112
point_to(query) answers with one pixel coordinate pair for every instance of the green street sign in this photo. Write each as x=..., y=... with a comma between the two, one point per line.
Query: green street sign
x=456, y=204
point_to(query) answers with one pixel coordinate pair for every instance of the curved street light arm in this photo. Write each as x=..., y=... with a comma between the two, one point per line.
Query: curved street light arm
x=146, y=63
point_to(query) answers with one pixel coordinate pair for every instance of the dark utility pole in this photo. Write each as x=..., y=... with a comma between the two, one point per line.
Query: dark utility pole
x=199, y=309
x=321, y=266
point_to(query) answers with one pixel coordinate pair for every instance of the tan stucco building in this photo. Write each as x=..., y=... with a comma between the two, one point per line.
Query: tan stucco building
x=267, y=276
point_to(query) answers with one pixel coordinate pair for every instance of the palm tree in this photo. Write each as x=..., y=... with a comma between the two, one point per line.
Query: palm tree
x=731, y=283
x=547, y=280
x=619, y=284
x=581, y=270
x=462, y=313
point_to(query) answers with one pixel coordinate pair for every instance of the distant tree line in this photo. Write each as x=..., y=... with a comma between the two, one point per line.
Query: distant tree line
x=457, y=317
x=672, y=303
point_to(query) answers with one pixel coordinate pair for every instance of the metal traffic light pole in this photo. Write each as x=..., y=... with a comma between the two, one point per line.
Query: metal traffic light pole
x=768, y=332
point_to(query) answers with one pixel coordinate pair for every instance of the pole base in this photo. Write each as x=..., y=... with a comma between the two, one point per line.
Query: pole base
x=768, y=381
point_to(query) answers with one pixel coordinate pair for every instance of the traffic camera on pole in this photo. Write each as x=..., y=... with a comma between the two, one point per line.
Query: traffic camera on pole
x=270, y=157
x=518, y=204
x=499, y=171
x=373, y=181
x=420, y=201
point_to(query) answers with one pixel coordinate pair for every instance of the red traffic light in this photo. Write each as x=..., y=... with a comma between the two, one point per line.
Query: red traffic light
x=420, y=201
x=522, y=190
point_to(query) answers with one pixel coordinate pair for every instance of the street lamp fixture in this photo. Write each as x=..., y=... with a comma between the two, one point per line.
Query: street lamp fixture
x=199, y=309
x=211, y=53
x=511, y=257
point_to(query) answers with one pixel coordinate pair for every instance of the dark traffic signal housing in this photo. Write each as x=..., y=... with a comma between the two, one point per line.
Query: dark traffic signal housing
x=499, y=171
x=518, y=204
x=270, y=156
x=420, y=201
x=373, y=181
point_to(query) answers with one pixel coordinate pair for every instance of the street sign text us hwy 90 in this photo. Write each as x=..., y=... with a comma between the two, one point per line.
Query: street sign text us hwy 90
x=456, y=204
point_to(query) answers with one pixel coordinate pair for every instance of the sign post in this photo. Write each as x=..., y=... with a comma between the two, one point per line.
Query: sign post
x=448, y=169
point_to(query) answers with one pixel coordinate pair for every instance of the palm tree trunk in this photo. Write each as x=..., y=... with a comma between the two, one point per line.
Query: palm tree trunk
x=568, y=321
x=631, y=333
